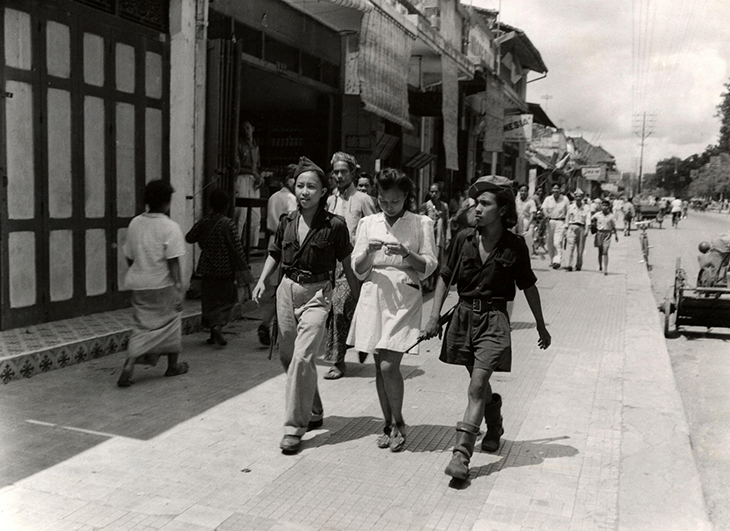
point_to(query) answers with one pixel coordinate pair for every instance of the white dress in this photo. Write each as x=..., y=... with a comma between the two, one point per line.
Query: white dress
x=388, y=313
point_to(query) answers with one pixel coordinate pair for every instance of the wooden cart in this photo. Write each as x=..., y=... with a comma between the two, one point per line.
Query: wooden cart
x=696, y=306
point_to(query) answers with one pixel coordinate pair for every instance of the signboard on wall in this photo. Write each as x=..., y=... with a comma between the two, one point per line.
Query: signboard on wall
x=518, y=128
x=592, y=173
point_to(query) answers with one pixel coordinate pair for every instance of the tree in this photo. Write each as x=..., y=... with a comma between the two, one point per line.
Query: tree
x=673, y=174
x=713, y=179
x=723, y=112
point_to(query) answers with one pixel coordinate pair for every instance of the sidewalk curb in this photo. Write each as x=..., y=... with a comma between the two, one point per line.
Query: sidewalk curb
x=659, y=486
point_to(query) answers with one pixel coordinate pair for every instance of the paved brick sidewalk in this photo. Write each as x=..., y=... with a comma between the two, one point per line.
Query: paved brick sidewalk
x=596, y=438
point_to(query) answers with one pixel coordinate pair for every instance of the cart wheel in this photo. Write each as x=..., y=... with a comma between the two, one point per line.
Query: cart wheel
x=668, y=332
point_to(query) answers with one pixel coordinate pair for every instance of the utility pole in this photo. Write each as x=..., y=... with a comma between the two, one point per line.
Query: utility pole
x=546, y=97
x=643, y=134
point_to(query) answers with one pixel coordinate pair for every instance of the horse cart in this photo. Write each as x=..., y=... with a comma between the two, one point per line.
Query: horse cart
x=708, y=303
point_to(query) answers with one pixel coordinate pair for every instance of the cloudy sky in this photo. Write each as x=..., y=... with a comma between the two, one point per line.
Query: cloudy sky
x=611, y=61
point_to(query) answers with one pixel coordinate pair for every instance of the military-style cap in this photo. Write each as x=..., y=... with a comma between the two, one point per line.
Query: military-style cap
x=306, y=165
x=490, y=183
x=578, y=191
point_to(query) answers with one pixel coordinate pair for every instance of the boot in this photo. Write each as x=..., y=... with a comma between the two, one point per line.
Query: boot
x=466, y=437
x=493, y=416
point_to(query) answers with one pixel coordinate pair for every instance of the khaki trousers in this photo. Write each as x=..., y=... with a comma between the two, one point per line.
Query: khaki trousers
x=301, y=311
x=576, y=243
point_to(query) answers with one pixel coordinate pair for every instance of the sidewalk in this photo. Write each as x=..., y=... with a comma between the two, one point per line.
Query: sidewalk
x=596, y=436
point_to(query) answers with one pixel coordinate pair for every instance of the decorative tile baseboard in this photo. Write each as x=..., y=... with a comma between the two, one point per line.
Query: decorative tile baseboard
x=36, y=349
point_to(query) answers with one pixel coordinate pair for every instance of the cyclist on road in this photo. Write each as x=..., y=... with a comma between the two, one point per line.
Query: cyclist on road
x=676, y=211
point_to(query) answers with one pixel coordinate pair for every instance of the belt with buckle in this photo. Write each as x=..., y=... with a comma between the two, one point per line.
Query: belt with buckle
x=484, y=305
x=305, y=277
x=557, y=219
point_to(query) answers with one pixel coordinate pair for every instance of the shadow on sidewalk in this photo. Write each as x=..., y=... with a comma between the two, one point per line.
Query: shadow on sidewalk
x=520, y=453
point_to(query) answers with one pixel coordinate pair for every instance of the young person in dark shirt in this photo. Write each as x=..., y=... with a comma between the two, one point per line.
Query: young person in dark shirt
x=308, y=243
x=489, y=261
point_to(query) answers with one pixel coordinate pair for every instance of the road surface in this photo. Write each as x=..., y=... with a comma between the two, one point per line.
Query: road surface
x=701, y=360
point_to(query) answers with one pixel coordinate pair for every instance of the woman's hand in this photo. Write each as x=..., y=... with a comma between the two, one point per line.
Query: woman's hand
x=432, y=329
x=397, y=249
x=545, y=339
x=374, y=246
x=258, y=292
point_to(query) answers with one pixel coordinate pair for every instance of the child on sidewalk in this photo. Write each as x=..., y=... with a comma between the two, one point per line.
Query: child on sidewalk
x=605, y=223
x=489, y=262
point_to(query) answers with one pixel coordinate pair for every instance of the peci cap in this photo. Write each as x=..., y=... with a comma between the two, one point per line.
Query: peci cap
x=306, y=165
x=502, y=188
x=490, y=183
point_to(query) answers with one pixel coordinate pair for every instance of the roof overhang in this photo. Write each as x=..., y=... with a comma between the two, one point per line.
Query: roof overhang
x=340, y=15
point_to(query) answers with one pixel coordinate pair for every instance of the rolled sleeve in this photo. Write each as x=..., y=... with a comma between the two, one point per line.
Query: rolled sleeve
x=276, y=242
x=523, y=274
x=428, y=247
x=341, y=239
x=175, y=244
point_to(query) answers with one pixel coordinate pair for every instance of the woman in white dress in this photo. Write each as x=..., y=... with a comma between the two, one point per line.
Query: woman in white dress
x=394, y=252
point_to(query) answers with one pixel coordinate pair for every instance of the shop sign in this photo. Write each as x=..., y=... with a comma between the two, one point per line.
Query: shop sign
x=518, y=128
x=480, y=47
x=358, y=142
x=592, y=173
x=352, y=81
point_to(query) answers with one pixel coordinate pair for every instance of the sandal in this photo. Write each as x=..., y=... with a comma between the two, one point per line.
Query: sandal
x=397, y=441
x=335, y=373
x=180, y=368
x=217, y=336
x=124, y=382
x=384, y=440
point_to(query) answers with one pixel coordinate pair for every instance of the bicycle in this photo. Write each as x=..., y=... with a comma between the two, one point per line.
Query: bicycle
x=644, y=239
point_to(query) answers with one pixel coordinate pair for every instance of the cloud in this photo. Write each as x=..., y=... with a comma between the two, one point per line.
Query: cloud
x=600, y=83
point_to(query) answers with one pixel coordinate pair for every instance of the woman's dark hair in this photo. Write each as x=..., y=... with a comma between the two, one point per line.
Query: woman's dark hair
x=219, y=201
x=392, y=179
x=157, y=193
x=506, y=199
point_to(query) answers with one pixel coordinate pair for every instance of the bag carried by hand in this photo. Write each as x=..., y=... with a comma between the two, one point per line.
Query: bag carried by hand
x=594, y=226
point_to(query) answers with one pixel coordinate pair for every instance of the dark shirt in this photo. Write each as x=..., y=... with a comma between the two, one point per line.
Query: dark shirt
x=219, y=245
x=507, y=265
x=328, y=240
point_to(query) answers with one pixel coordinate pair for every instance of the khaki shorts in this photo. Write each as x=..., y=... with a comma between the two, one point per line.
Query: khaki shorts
x=479, y=339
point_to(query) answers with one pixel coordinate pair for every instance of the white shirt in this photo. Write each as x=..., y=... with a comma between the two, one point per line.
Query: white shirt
x=351, y=205
x=677, y=205
x=152, y=240
x=412, y=230
x=282, y=202
x=555, y=209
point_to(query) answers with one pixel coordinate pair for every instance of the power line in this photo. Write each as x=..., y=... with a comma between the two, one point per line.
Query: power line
x=643, y=133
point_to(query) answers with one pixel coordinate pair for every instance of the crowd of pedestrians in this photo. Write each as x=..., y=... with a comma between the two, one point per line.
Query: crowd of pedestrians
x=349, y=257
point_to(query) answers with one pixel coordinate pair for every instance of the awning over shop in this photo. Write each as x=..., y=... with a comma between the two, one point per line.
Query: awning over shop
x=450, y=111
x=341, y=15
x=383, y=63
x=419, y=160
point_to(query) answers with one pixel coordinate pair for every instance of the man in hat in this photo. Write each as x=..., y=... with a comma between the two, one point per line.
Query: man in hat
x=489, y=261
x=577, y=219
x=555, y=207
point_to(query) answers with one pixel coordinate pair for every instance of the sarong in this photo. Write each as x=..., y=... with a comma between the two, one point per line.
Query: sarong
x=157, y=324
x=338, y=324
x=218, y=296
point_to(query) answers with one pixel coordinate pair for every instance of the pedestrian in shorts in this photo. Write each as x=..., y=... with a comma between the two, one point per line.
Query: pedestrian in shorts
x=605, y=224
x=489, y=261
